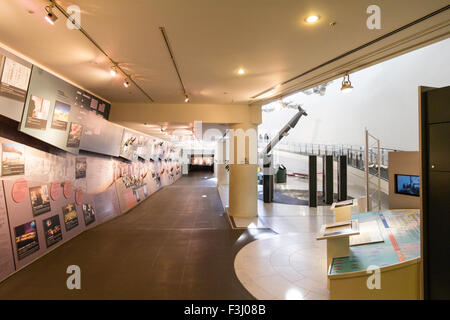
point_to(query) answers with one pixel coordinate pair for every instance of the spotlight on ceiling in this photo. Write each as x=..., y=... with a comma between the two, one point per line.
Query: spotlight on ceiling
x=312, y=19
x=113, y=71
x=50, y=17
x=346, y=84
x=126, y=83
x=241, y=71
x=186, y=98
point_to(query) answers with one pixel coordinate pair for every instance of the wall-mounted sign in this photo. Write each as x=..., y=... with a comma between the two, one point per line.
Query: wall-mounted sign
x=55, y=190
x=67, y=189
x=52, y=230
x=79, y=196
x=14, y=78
x=70, y=216
x=13, y=159
x=27, y=241
x=40, y=200
x=80, y=168
x=19, y=190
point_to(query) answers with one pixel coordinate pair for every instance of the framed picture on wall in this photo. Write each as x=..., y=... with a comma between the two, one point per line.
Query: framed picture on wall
x=80, y=168
x=37, y=115
x=88, y=213
x=40, y=200
x=52, y=230
x=27, y=241
x=70, y=216
x=13, y=159
x=60, y=116
x=74, y=138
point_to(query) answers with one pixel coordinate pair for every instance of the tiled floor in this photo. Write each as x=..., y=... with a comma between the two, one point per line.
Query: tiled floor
x=292, y=264
x=177, y=244
x=286, y=266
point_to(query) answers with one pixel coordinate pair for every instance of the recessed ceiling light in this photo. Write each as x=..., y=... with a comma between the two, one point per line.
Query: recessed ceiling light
x=312, y=19
x=241, y=71
x=126, y=83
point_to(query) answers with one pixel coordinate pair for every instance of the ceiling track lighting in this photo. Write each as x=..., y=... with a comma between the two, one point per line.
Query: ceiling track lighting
x=50, y=17
x=172, y=56
x=346, y=84
x=113, y=71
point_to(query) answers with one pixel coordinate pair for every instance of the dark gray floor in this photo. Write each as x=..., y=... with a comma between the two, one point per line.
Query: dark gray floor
x=175, y=245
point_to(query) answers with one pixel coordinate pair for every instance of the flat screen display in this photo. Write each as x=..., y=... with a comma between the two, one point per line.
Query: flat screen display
x=406, y=184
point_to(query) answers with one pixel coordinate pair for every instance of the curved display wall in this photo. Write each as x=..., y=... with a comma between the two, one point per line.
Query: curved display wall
x=67, y=169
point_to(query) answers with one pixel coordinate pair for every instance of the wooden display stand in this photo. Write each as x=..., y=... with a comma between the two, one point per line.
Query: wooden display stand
x=343, y=209
x=337, y=235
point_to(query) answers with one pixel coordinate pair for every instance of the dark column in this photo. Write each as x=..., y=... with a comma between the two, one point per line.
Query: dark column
x=328, y=179
x=435, y=181
x=267, y=179
x=342, y=178
x=313, y=181
x=323, y=178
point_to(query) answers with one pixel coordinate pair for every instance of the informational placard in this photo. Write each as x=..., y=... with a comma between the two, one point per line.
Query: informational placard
x=129, y=145
x=27, y=241
x=89, y=102
x=19, y=190
x=13, y=159
x=58, y=113
x=101, y=136
x=88, y=213
x=40, y=200
x=70, y=216
x=28, y=216
x=52, y=230
x=80, y=168
x=14, y=78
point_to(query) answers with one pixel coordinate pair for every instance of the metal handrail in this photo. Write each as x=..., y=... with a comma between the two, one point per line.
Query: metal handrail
x=355, y=154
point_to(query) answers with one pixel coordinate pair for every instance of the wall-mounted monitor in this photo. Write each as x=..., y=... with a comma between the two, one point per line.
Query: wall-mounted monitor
x=407, y=184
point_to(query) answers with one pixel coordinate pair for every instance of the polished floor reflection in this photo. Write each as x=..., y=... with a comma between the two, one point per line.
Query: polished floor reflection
x=177, y=244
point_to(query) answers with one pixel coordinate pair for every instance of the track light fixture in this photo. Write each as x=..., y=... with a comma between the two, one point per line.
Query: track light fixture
x=50, y=17
x=126, y=83
x=113, y=71
x=346, y=84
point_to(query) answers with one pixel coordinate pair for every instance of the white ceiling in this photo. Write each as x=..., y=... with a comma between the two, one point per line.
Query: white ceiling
x=211, y=39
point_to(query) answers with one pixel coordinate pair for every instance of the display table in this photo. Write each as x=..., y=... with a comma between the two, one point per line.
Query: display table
x=337, y=235
x=342, y=209
x=397, y=256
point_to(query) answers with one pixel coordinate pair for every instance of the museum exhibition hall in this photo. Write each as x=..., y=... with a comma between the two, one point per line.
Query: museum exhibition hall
x=256, y=150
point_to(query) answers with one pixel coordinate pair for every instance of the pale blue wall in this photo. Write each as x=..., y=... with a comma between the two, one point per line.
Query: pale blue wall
x=384, y=100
